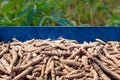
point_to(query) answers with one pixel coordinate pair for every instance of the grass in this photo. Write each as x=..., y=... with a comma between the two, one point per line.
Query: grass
x=59, y=12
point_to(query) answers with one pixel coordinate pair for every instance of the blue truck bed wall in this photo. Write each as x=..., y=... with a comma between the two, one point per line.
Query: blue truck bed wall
x=77, y=33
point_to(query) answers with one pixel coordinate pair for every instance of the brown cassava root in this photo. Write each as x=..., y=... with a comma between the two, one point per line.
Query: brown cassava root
x=61, y=59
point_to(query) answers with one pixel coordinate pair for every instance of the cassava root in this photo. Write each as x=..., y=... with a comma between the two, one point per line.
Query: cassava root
x=61, y=59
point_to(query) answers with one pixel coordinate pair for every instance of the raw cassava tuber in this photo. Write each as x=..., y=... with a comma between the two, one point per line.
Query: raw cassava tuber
x=61, y=59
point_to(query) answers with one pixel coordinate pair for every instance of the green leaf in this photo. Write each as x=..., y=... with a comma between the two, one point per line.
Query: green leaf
x=113, y=21
x=8, y=23
x=42, y=20
x=7, y=6
x=62, y=21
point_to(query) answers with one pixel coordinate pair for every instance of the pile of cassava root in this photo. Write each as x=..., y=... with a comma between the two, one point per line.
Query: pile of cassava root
x=61, y=59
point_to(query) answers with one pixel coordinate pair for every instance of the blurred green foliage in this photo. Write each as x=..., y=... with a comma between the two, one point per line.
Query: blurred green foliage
x=59, y=12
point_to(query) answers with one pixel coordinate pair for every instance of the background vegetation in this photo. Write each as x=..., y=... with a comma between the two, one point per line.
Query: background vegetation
x=60, y=12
